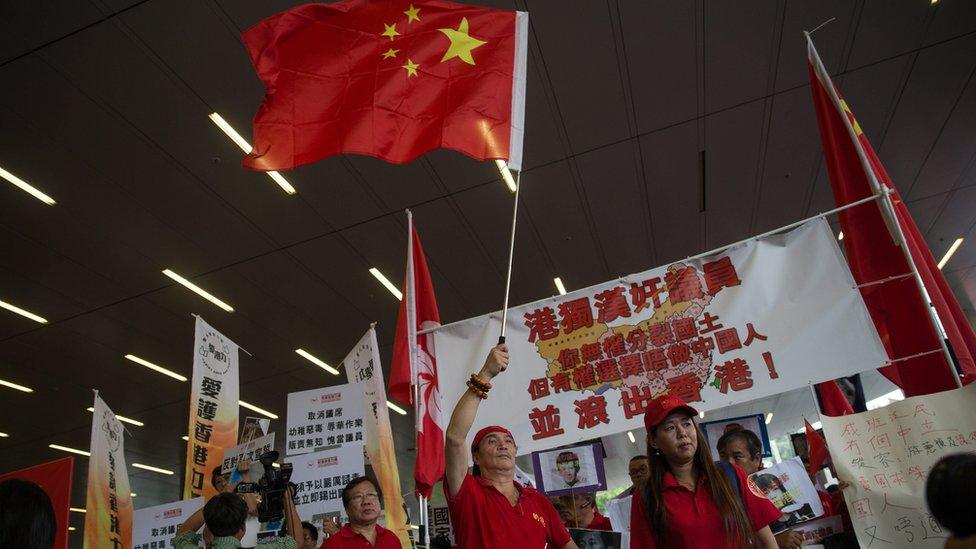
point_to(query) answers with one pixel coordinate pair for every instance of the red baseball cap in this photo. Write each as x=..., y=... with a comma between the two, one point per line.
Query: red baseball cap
x=660, y=407
x=487, y=431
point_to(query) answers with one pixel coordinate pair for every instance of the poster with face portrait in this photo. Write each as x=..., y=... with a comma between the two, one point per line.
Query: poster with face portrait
x=565, y=471
x=788, y=486
x=595, y=539
x=714, y=430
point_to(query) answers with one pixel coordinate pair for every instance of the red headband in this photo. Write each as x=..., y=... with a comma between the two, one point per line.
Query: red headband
x=487, y=431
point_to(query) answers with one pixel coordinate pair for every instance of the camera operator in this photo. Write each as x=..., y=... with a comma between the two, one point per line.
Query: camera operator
x=224, y=515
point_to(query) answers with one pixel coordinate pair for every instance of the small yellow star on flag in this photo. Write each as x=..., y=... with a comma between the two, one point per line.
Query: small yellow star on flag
x=390, y=53
x=390, y=30
x=461, y=43
x=412, y=14
x=411, y=68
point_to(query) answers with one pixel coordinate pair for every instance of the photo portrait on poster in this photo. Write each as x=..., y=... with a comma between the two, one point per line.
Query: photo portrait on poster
x=595, y=539
x=714, y=430
x=564, y=471
x=789, y=488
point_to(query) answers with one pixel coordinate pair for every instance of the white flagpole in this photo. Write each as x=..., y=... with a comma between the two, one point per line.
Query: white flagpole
x=887, y=205
x=511, y=253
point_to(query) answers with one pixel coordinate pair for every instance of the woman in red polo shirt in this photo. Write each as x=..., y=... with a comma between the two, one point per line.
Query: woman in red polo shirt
x=687, y=502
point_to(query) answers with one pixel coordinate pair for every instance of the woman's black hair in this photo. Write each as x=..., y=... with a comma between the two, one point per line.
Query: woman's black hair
x=951, y=483
x=26, y=516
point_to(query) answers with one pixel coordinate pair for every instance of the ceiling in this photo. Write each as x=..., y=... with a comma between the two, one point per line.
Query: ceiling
x=631, y=104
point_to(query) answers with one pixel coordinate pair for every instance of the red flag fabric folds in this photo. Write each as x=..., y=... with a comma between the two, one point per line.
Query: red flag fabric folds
x=418, y=311
x=898, y=310
x=816, y=448
x=383, y=79
x=833, y=402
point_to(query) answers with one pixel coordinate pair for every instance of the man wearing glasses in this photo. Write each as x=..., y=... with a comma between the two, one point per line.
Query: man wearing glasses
x=361, y=498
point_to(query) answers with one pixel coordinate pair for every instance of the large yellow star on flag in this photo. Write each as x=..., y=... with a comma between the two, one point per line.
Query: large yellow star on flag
x=857, y=127
x=411, y=68
x=461, y=43
x=390, y=30
x=412, y=14
x=390, y=53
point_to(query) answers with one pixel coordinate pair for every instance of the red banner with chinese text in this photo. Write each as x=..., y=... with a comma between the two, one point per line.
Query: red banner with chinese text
x=758, y=319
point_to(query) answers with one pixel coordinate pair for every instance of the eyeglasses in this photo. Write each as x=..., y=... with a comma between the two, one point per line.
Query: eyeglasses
x=364, y=496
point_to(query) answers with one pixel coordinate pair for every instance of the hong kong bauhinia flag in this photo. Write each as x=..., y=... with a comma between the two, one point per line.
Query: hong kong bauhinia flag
x=414, y=363
x=890, y=293
x=390, y=79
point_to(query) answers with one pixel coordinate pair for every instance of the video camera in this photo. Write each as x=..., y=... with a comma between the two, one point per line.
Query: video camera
x=272, y=487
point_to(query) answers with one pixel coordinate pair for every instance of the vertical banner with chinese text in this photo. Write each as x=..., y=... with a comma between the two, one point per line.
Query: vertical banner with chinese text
x=108, y=520
x=324, y=418
x=363, y=367
x=760, y=318
x=214, y=405
x=886, y=454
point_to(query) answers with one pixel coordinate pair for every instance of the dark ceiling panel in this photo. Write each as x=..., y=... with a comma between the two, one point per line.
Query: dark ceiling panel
x=888, y=28
x=740, y=44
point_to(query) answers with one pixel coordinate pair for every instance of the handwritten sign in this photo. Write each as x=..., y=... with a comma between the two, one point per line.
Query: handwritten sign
x=886, y=454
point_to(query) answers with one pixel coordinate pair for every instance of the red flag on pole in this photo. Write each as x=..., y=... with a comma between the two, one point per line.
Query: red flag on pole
x=386, y=80
x=897, y=307
x=833, y=402
x=816, y=448
x=414, y=362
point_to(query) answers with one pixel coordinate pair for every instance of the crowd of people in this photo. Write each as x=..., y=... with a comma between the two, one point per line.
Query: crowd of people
x=681, y=497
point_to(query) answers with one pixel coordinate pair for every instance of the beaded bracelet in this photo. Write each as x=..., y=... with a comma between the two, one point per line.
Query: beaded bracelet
x=478, y=392
x=480, y=383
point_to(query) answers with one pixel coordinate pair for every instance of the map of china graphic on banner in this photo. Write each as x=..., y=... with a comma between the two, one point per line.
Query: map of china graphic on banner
x=761, y=318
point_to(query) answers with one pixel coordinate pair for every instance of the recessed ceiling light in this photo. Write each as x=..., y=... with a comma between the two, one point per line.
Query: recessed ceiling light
x=198, y=290
x=22, y=312
x=246, y=147
x=840, y=235
x=186, y=438
x=315, y=360
x=16, y=386
x=153, y=469
x=69, y=449
x=396, y=408
x=123, y=419
x=4, y=435
x=71, y=528
x=155, y=367
x=559, y=285
x=952, y=250
x=384, y=281
x=24, y=186
x=506, y=174
x=769, y=417
x=133, y=494
x=630, y=435
x=77, y=509
x=258, y=410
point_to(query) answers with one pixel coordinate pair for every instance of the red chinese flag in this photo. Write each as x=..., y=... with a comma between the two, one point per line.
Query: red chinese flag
x=897, y=308
x=833, y=402
x=816, y=448
x=388, y=79
x=413, y=359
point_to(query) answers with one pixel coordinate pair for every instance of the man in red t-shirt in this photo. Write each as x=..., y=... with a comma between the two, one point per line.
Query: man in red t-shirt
x=488, y=508
x=361, y=498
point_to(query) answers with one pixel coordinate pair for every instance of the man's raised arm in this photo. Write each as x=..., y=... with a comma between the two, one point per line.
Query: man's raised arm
x=455, y=452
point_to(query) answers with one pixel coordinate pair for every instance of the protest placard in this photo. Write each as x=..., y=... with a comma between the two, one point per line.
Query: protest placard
x=319, y=478
x=885, y=455
x=154, y=527
x=247, y=452
x=788, y=486
x=325, y=418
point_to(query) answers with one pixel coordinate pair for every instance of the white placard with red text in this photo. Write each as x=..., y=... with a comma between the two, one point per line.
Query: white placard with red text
x=761, y=318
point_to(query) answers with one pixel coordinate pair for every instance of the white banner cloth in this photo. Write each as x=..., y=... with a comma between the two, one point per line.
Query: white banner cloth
x=761, y=318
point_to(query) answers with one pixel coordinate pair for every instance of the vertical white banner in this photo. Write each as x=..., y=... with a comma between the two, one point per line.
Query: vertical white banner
x=363, y=367
x=108, y=521
x=214, y=406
